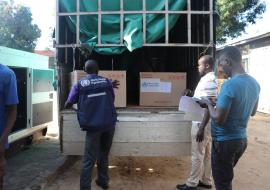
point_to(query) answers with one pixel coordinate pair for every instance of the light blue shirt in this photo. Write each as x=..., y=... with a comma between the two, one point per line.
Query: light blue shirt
x=8, y=93
x=239, y=94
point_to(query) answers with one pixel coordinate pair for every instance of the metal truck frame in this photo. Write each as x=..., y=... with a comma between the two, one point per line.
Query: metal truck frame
x=140, y=131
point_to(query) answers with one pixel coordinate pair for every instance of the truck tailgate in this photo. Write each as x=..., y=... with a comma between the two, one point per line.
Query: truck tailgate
x=139, y=132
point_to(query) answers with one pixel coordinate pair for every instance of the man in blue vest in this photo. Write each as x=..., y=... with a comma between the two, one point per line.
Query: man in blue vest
x=8, y=111
x=236, y=102
x=97, y=116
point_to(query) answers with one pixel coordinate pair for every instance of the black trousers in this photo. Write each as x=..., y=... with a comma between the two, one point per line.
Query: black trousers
x=97, y=148
x=225, y=155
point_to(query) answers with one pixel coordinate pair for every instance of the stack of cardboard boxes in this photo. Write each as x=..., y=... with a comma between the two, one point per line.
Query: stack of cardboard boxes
x=120, y=93
x=156, y=89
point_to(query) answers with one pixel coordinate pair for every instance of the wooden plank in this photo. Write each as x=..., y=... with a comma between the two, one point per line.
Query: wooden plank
x=72, y=132
x=136, y=132
x=26, y=132
x=134, y=149
x=139, y=134
x=149, y=117
x=152, y=132
x=138, y=110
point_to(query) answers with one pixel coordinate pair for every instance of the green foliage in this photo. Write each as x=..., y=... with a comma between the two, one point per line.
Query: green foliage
x=16, y=28
x=235, y=15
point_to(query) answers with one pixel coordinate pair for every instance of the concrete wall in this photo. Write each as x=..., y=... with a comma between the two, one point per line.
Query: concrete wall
x=259, y=68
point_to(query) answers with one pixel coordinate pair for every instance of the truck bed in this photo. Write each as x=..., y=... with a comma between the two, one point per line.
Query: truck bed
x=139, y=132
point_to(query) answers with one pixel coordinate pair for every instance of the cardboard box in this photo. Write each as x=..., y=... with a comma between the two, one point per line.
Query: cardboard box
x=161, y=89
x=120, y=93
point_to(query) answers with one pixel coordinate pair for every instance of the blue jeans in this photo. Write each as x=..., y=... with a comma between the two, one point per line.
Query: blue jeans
x=225, y=155
x=97, y=148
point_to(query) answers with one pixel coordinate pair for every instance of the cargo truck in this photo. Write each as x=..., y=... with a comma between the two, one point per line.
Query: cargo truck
x=157, y=36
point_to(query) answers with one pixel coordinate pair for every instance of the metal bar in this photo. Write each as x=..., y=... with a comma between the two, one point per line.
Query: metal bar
x=211, y=15
x=203, y=30
x=67, y=45
x=144, y=21
x=73, y=56
x=61, y=125
x=176, y=45
x=121, y=21
x=109, y=45
x=57, y=30
x=136, y=12
x=99, y=21
x=66, y=39
x=197, y=33
x=27, y=132
x=188, y=12
x=145, y=44
x=29, y=91
x=189, y=21
x=167, y=21
x=78, y=22
x=79, y=45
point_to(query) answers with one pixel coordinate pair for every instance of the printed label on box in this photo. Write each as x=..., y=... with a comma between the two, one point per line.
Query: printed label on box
x=165, y=87
x=150, y=85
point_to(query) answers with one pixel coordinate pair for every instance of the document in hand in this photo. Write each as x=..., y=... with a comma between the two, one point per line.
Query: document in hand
x=192, y=109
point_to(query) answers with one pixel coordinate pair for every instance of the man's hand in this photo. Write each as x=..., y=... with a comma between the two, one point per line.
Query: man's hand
x=202, y=103
x=115, y=83
x=200, y=135
x=205, y=102
x=187, y=92
x=68, y=105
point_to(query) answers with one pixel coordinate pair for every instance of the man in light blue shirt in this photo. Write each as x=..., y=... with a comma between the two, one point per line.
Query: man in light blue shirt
x=236, y=102
x=8, y=111
x=239, y=95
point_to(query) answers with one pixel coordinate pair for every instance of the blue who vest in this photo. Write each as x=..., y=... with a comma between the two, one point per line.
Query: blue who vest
x=96, y=111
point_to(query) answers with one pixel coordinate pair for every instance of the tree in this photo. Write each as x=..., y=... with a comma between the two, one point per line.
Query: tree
x=16, y=28
x=234, y=16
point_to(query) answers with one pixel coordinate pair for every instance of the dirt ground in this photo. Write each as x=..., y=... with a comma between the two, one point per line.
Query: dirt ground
x=134, y=173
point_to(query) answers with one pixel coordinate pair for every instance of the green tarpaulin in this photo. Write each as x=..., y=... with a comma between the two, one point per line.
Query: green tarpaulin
x=133, y=23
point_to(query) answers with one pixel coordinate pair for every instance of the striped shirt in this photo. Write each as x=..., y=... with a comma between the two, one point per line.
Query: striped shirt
x=207, y=87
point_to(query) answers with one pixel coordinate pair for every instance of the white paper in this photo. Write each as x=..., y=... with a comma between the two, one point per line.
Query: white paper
x=150, y=85
x=165, y=87
x=192, y=109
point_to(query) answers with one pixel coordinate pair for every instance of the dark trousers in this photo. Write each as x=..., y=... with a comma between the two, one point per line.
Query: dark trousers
x=97, y=148
x=225, y=155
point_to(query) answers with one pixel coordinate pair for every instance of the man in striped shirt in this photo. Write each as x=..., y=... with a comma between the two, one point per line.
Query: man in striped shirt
x=200, y=174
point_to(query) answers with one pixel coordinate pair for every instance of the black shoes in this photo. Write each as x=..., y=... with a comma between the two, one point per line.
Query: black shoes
x=201, y=184
x=185, y=187
x=103, y=185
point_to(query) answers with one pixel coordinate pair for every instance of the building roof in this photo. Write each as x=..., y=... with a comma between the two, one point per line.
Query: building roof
x=18, y=58
x=48, y=53
x=246, y=41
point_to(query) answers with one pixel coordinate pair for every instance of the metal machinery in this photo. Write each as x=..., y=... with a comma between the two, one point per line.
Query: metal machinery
x=35, y=91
